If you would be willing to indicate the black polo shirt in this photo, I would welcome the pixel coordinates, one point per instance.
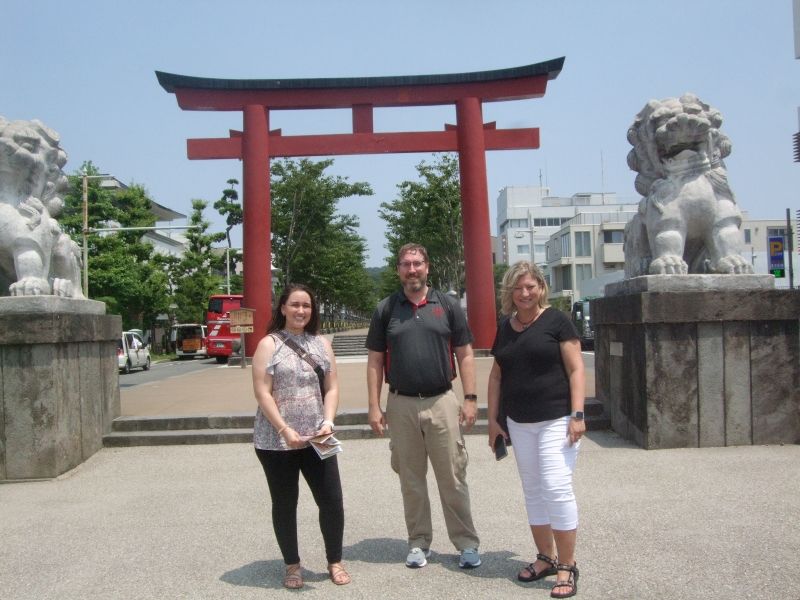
(419, 340)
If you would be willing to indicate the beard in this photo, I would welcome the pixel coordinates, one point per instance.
(413, 284)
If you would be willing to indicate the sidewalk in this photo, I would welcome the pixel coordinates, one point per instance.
(227, 389)
(194, 522)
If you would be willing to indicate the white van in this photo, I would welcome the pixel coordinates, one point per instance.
(189, 340)
(132, 352)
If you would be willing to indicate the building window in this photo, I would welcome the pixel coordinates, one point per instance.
(747, 237)
(523, 249)
(583, 272)
(613, 236)
(565, 249)
(518, 223)
(583, 243)
(776, 231)
(566, 278)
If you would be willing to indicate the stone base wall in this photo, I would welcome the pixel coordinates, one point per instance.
(700, 368)
(59, 389)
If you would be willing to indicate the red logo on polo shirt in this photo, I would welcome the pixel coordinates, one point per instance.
(438, 312)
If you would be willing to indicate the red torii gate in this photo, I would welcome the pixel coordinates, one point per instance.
(470, 137)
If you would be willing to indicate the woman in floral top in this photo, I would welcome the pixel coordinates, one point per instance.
(292, 410)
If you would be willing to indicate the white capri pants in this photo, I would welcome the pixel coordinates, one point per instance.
(546, 461)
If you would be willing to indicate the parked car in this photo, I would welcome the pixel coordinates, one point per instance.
(189, 340)
(132, 352)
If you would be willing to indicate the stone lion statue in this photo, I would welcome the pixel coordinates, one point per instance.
(688, 220)
(36, 257)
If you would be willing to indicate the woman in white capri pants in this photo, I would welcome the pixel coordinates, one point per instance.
(536, 391)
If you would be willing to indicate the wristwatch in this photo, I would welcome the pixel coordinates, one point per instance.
(470, 396)
(577, 415)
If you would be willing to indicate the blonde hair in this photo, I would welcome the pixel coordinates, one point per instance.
(510, 279)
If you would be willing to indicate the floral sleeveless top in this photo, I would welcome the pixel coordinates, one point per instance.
(295, 388)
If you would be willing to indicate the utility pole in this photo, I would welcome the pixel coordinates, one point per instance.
(85, 233)
(790, 244)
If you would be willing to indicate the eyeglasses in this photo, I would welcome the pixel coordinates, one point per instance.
(407, 264)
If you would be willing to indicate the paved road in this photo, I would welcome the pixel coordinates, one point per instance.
(164, 369)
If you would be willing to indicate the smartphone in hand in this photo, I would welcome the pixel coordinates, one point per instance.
(500, 450)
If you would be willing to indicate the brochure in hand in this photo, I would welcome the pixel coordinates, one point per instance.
(326, 445)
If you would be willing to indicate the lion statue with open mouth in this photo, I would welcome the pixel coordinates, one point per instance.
(688, 220)
(36, 257)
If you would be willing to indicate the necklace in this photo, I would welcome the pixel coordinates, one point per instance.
(527, 324)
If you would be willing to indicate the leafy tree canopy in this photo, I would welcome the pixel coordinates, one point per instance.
(311, 242)
(428, 212)
(194, 276)
(121, 271)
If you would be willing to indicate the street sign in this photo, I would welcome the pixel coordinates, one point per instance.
(242, 316)
(241, 328)
(776, 265)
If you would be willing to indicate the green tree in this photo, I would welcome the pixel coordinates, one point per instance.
(229, 207)
(194, 276)
(311, 242)
(428, 211)
(121, 269)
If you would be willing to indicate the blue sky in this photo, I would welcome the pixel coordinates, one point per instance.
(87, 68)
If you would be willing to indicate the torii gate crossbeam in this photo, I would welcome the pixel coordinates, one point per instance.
(470, 137)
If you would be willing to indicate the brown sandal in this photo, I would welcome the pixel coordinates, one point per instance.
(528, 574)
(293, 580)
(571, 583)
(338, 575)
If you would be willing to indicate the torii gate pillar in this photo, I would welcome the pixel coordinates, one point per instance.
(257, 210)
(475, 216)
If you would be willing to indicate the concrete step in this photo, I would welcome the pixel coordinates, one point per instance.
(349, 345)
(238, 427)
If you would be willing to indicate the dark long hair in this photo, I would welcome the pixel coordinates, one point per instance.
(279, 319)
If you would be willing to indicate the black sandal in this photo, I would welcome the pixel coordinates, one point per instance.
(534, 576)
(571, 583)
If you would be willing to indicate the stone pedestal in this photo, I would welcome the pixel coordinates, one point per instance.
(699, 360)
(59, 384)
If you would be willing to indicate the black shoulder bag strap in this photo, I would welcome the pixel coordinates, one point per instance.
(306, 357)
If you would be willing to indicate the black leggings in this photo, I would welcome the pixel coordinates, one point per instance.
(282, 468)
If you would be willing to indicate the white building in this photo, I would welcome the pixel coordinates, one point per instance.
(756, 234)
(170, 242)
(528, 215)
(578, 240)
(586, 253)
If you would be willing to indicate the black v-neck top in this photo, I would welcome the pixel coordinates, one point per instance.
(534, 386)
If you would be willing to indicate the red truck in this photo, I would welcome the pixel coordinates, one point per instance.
(218, 321)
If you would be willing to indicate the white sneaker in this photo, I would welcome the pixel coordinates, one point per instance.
(416, 558)
(469, 558)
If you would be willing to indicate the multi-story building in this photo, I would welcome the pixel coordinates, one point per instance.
(528, 215)
(586, 252)
(578, 240)
(756, 233)
(171, 242)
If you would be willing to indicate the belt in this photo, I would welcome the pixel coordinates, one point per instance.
(427, 394)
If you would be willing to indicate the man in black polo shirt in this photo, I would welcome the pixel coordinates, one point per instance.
(412, 338)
